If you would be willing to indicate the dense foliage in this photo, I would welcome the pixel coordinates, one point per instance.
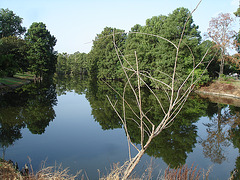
(103, 54)
(41, 55)
(10, 24)
(12, 55)
(155, 56)
(72, 64)
(35, 53)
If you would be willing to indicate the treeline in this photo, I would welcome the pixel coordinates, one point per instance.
(156, 57)
(23, 50)
(72, 64)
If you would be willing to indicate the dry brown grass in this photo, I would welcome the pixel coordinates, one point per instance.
(54, 172)
(117, 173)
(8, 172)
(185, 173)
(179, 173)
(223, 88)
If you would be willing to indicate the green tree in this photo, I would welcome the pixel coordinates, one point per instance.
(236, 57)
(80, 63)
(237, 13)
(41, 55)
(12, 55)
(103, 61)
(238, 42)
(142, 45)
(10, 24)
(72, 64)
(172, 29)
(61, 66)
(157, 56)
(6, 65)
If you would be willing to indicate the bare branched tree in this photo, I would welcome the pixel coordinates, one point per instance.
(176, 99)
(220, 31)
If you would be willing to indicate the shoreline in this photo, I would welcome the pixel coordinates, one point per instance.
(226, 95)
(222, 91)
(210, 92)
(221, 98)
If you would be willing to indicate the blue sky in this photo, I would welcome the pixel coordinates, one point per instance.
(75, 23)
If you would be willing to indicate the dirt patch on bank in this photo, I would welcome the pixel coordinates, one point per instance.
(224, 92)
(224, 88)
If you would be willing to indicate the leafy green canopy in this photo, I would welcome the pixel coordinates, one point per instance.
(237, 13)
(71, 64)
(41, 55)
(156, 57)
(103, 60)
(12, 47)
(10, 24)
(12, 55)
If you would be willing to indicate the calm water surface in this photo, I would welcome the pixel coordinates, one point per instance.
(70, 121)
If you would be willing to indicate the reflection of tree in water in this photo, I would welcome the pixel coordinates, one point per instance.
(218, 134)
(96, 92)
(69, 83)
(172, 144)
(10, 125)
(234, 134)
(102, 110)
(38, 110)
(37, 116)
(31, 106)
(8, 135)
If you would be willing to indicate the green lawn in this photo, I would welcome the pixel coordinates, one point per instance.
(24, 76)
(11, 81)
(17, 80)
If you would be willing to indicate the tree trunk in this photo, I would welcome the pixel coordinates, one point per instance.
(134, 161)
(132, 164)
(222, 64)
(221, 67)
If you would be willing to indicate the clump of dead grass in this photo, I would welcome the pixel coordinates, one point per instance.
(179, 173)
(185, 173)
(7, 171)
(57, 172)
(54, 172)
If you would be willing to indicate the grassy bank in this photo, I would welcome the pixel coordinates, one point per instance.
(8, 83)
